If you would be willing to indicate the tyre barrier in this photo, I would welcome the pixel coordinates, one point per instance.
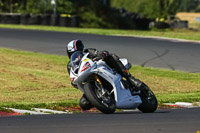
(161, 25)
(178, 24)
(44, 19)
(0, 18)
(34, 20)
(64, 21)
(74, 21)
(5, 18)
(8, 19)
(24, 19)
(54, 20)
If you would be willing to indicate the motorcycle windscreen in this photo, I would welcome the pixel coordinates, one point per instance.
(125, 63)
(76, 59)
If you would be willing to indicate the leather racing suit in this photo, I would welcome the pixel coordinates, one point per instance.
(113, 62)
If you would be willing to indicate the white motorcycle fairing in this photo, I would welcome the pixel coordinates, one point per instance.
(122, 95)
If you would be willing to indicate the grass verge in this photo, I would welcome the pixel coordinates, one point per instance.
(179, 34)
(40, 80)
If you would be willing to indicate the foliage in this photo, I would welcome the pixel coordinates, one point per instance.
(1, 5)
(45, 6)
(65, 7)
(197, 9)
(90, 20)
(150, 9)
(11, 6)
(35, 7)
(156, 8)
(93, 14)
(189, 6)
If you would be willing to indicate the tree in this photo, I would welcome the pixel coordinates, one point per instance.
(189, 6)
(149, 8)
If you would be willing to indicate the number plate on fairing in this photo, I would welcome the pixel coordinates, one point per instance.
(85, 65)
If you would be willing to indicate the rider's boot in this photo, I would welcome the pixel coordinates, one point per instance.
(120, 68)
(133, 82)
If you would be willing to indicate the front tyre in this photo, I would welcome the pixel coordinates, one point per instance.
(105, 103)
(149, 101)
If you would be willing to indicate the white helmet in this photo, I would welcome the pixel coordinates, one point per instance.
(73, 46)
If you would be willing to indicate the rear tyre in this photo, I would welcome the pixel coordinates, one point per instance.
(149, 101)
(104, 103)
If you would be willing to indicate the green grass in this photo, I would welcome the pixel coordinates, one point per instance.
(40, 80)
(34, 79)
(180, 34)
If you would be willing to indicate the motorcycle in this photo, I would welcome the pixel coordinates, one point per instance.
(105, 89)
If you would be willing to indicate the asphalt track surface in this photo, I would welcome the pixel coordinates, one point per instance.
(170, 54)
(145, 52)
(162, 121)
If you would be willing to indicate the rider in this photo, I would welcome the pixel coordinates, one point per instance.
(111, 60)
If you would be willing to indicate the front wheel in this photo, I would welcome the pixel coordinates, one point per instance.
(149, 101)
(103, 102)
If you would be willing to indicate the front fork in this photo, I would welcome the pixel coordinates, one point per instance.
(99, 85)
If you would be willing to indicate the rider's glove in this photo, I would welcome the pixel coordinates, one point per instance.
(105, 54)
(101, 55)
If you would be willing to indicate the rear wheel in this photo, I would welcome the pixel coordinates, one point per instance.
(102, 101)
(149, 101)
